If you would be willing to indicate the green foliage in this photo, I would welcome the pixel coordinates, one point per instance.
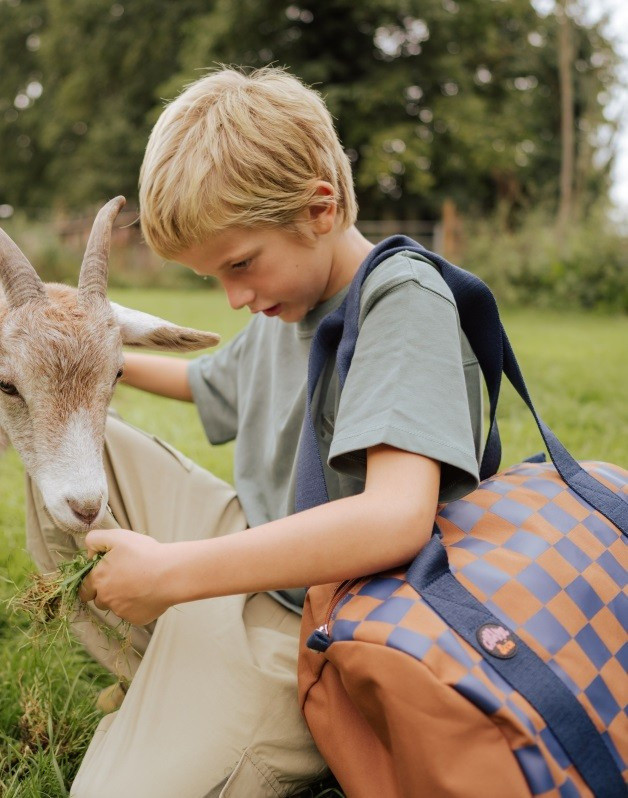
(433, 98)
(528, 266)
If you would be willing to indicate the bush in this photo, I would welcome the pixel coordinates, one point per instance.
(530, 266)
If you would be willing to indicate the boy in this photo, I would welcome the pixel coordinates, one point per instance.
(244, 179)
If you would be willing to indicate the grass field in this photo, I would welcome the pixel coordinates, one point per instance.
(575, 369)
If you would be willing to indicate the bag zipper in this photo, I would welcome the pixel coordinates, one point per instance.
(339, 593)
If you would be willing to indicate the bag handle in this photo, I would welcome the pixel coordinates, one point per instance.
(479, 319)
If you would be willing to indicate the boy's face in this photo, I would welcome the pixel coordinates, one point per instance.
(270, 271)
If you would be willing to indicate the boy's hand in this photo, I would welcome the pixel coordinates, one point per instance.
(131, 579)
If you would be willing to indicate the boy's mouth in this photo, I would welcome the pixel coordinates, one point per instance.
(274, 311)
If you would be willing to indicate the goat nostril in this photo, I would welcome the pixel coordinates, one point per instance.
(84, 513)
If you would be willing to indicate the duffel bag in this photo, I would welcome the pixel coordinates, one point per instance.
(494, 664)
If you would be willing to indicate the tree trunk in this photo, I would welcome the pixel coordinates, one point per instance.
(565, 72)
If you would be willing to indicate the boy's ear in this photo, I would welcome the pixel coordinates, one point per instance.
(142, 329)
(322, 215)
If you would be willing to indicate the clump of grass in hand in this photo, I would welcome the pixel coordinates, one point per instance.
(51, 602)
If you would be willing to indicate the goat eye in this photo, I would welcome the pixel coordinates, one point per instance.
(8, 388)
(119, 374)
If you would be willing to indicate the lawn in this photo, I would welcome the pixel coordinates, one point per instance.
(575, 369)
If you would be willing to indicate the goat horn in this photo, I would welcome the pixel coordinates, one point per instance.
(20, 281)
(93, 276)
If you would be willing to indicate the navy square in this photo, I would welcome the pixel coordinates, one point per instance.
(485, 576)
(512, 511)
(592, 646)
(546, 629)
(558, 518)
(568, 790)
(475, 545)
(544, 486)
(526, 543)
(572, 554)
(534, 769)
(412, 643)
(555, 749)
(343, 630)
(538, 582)
(390, 611)
(496, 486)
(604, 703)
(380, 588)
(473, 689)
(600, 529)
(463, 514)
(613, 569)
(584, 597)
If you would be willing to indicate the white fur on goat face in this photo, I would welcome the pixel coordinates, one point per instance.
(63, 358)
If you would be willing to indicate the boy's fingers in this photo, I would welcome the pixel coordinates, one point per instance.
(98, 540)
(87, 592)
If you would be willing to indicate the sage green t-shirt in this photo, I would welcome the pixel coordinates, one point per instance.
(414, 383)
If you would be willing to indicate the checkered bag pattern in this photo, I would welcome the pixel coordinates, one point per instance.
(552, 570)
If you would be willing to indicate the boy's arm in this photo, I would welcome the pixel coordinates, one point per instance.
(381, 528)
(165, 376)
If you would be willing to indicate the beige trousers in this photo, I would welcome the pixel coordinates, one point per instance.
(212, 705)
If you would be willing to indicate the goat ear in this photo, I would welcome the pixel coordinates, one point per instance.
(142, 329)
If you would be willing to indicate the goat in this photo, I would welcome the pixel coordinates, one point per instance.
(60, 358)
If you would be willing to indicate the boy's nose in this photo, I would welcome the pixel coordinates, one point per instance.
(240, 297)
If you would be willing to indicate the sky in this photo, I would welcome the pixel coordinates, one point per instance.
(617, 108)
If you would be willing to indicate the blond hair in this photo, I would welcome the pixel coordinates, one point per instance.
(238, 150)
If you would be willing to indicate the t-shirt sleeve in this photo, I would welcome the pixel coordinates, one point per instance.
(214, 384)
(406, 388)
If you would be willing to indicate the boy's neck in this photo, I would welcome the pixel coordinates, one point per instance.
(349, 250)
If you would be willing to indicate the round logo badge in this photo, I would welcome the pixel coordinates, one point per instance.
(497, 640)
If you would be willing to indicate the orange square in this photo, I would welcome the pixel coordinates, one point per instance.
(444, 665)
(576, 664)
(615, 679)
(567, 612)
(358, 608)
(587, 541)
(556, 565)
(511, 562)
(493, 529)
(572, 506)
(373, 631)
(609, 630)
(517, 602)
(542, 527)
(459, 557)
(423, 619)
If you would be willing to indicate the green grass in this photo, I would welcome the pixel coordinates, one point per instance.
(575, 370)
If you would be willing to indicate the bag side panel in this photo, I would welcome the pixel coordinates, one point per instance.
(441, 744)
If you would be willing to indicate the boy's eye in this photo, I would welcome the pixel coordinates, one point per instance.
(241, 264)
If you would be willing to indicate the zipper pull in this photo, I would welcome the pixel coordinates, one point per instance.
(319, 640)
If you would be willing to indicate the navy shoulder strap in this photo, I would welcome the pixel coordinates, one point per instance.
(479, 319)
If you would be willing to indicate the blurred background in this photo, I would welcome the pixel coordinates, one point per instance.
(489, 130)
